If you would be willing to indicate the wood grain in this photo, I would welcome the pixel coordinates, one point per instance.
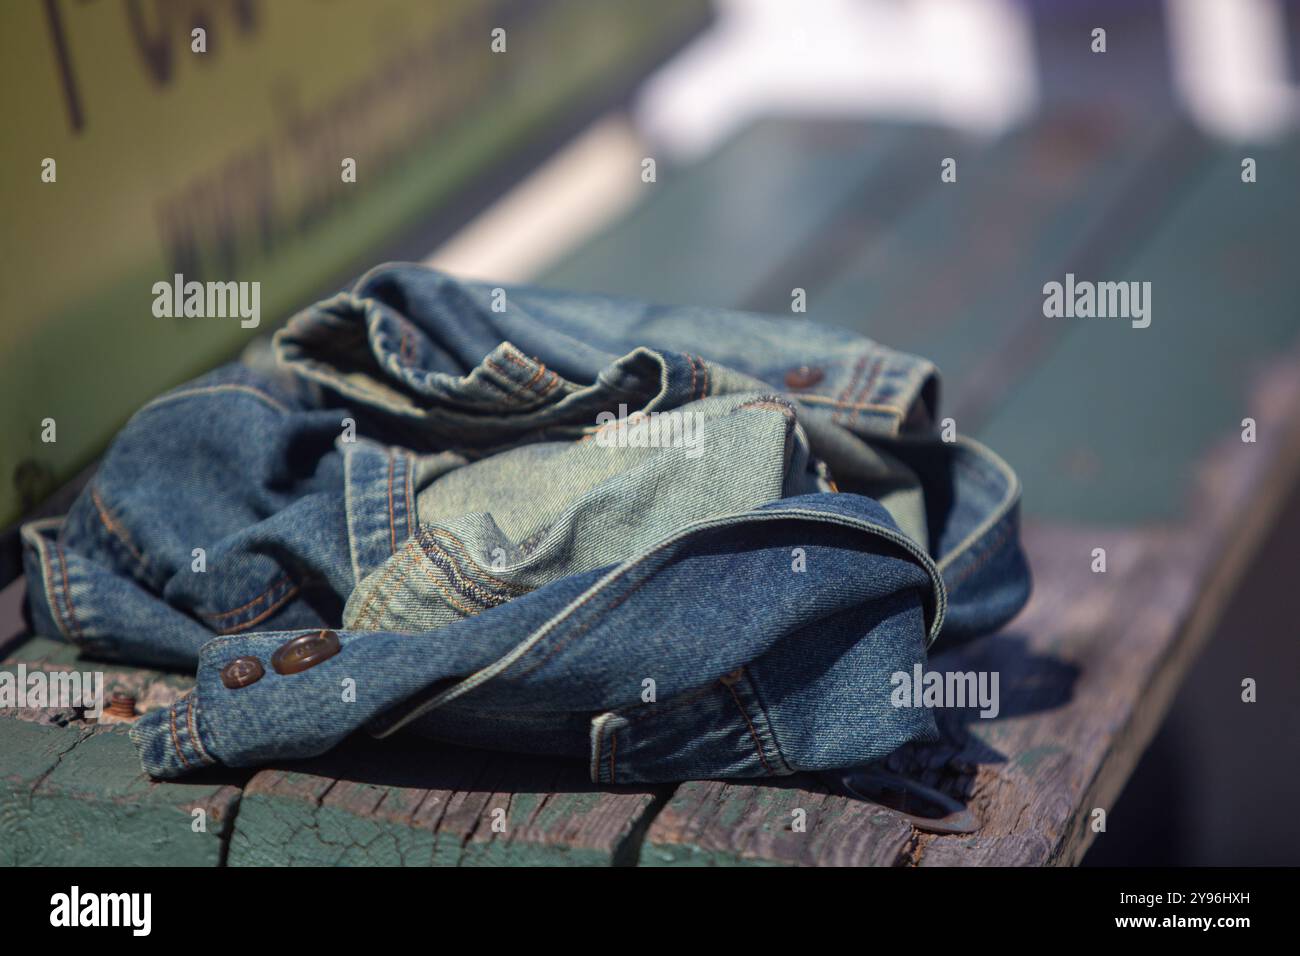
(72, 792)
(412, 803)
(1086, 673)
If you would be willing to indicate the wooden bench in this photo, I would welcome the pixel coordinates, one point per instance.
(1126, 439)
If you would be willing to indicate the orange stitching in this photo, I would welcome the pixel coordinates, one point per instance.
(514, 391)
(866, 387)
(464, 583)
(50, 597)
(758, 745)
(410, 493)
(770, 404)
(392, 521)
(288, 595)
(403, 568)
(848, 389)
(989, 551)
(708, 378)
(692, 361)
(175, 739)
(194, 734)
(113, 527)
(67, 593)
(278, 582)
(509, 586)
(541, 370)
(392, 566)
(867, 407)
(507, 393)
(512, 354)
(552, 385)
(428, 570)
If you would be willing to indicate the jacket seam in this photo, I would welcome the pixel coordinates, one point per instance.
(281, 602)
(277, 583)
(116, 530)
(194, 734)
(51, 595)
(171, 711)
(67, 593)
(758, 744)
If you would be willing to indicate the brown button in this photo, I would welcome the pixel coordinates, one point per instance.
(241, 672)
(304, 652)
(728, 679)
(805, 376)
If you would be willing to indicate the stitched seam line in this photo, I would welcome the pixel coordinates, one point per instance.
(362, 620)
(506, 585)
(113, 528)
(392, 521)
(866, 387)
(408, 468)
(649, 711)
(990, 550)
(464, 584)
(847, 393)
(217, 615)
(541, 370)
(51, 597)
(428, 570)
(67, 593)
(840, 405)
(210, 389)
(552, 385)
(194, 734)
(758, 744)
(757, 692)
(236, 628)
(600, 749)
(586, 626)
(403, 569)
(518, 392)
(176, 742)
(613, 747)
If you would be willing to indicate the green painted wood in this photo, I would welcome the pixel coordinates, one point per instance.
(415, 803)
(714, 232)
(1108, 427)
(960, 279)
(788, 822)
(72, 792)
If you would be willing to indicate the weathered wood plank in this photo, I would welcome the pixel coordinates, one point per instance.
(1086, 673)
(71, 789)
(413, 803)
(711, 823)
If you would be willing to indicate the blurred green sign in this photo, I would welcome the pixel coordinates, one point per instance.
(131, 156)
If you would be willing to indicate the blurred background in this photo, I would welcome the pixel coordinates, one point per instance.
(794, 146)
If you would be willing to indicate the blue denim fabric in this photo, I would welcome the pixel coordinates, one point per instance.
(458, 482)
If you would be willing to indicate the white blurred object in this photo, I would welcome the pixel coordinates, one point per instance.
(586, 185)
(1230, 66)
(962, 63)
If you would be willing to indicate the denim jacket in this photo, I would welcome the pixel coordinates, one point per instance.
(673, 542)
